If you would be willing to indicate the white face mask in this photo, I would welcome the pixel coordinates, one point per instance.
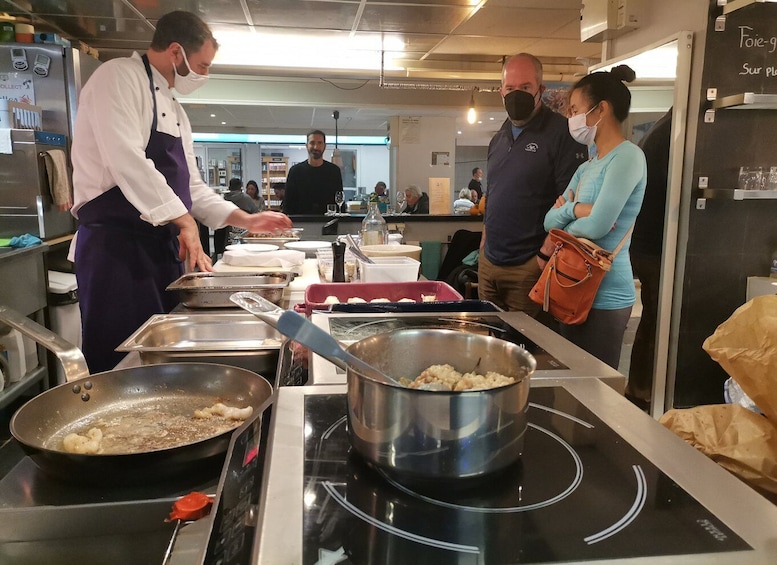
(580, 131)
(191, 82)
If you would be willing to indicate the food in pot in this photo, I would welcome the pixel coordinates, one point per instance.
(451, 379)
(152, 429)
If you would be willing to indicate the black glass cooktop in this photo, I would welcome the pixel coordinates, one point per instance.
(579, 493)
(354, 328)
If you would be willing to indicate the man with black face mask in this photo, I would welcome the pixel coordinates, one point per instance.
(530, 161)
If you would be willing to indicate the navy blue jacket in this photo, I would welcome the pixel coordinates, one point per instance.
(525, 175)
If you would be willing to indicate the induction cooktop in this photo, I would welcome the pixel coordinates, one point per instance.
(579, 493)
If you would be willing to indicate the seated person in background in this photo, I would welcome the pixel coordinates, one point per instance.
(475, 196)
(252, 190)
(231, 234)
(417, 201)
(480, 208)
(463, 203)
(279, 192)
(381, 196)
(240, 198)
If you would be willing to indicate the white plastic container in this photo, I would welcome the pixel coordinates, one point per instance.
(64, 311)
(12, 348)
(390, 269)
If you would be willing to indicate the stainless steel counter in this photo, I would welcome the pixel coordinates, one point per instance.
(579, 363)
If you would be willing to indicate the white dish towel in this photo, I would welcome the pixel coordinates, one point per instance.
(282, 258)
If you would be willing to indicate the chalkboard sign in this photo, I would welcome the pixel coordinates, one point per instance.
(744, 54)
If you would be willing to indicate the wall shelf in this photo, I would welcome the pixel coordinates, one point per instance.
(734, 5)
(747, 101)
(738, 194)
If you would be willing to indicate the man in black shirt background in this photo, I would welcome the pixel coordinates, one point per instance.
(475, 184)
(312, 184)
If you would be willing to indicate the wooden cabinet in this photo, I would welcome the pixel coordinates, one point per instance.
(274, 169)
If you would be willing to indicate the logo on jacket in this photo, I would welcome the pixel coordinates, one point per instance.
(532, 147)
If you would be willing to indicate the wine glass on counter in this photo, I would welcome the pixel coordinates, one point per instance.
(400, 199)
(339, 199)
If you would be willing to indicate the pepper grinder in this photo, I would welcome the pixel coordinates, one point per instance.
(338, 266)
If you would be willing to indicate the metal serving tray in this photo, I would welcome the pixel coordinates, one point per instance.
(212, 290)
(237, 339)
(279, 241)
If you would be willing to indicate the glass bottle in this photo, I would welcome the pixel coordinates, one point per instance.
(374, 229)
(773, 266)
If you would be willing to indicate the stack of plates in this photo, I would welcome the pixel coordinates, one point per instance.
(252, 247)
(309, 247)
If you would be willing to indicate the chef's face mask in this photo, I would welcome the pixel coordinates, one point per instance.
(520, 104)
(186, 84)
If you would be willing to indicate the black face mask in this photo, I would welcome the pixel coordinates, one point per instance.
(519, 104)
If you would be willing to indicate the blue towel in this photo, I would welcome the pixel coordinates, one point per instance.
(26, 240)
(472, 259)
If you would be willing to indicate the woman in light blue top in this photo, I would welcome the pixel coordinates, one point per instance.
(601, 203)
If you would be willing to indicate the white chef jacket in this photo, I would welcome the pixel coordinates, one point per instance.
(112, 129)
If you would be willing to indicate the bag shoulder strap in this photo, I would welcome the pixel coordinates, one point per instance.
(622, 242)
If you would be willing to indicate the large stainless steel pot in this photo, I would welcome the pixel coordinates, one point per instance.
(178, 388)
(420, 434)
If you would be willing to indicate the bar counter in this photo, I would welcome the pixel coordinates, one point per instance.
(414, 227)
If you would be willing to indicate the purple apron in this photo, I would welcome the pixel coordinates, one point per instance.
(124, 264)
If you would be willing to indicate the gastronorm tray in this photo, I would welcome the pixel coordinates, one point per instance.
(231, 338)
(417, 307)
(316, 294)
(212, 290)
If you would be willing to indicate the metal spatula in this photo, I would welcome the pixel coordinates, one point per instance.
(299, 329)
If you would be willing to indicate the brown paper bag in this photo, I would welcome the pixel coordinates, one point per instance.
(741, 441)
(745, 345)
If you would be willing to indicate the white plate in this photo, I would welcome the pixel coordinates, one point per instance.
(252, 247)
(307, 245)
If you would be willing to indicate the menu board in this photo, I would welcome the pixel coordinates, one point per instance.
(744, 49)
(439, 195)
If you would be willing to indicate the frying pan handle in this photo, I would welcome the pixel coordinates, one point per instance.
(69, 355)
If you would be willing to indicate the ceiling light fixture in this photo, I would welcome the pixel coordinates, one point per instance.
(337, 159)
(340, 50)
(471, 113)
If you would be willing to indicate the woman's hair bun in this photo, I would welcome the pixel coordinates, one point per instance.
(623, 73)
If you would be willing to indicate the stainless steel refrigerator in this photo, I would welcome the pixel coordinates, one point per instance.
(56, 74)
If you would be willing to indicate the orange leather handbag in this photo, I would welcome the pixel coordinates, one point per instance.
(571, 278)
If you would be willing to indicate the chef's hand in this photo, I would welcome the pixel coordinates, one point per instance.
(263, 222)
(190, 247)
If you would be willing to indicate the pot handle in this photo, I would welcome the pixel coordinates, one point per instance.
(73, 361)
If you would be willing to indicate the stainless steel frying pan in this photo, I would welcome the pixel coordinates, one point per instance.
(178, 387)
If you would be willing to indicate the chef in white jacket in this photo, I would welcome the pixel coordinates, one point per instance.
(137, 189)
